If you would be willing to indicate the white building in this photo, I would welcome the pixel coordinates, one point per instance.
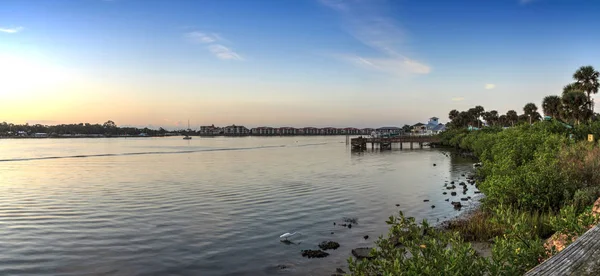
(234, 130)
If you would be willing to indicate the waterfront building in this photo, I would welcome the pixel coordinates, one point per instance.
(234, 130)
(390, 130)
(310, 131)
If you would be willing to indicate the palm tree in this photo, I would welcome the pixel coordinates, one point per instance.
(453, 114)
(479, 112)
(551, 106)
(575, 106)
(530, 109)
(487, 117)
(523, 118)
(503, 120)
(586, 79)
(512, 117)
(490, 117)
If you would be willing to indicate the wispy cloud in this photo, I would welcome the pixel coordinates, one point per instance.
(340, 5)
(223, 52)
(215, 45)
(11, 30)
(490, 86)
(368, 23)
(458, 99)
(199, 37)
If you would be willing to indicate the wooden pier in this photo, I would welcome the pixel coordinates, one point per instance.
(361, 143)
(582, 257)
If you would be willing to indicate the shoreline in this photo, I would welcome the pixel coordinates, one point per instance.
(467, 212)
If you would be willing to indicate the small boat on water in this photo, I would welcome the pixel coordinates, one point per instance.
(187, 137)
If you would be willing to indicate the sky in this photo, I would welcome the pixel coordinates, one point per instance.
(359, 63)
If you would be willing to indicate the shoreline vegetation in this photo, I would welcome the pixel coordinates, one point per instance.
(540, 177)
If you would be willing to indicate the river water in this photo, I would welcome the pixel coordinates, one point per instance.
(206, 206)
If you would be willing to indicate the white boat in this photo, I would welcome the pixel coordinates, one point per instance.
(187, 137)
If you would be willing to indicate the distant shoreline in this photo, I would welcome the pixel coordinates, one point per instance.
(162, 136)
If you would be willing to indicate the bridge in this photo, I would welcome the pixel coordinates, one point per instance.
(361, 143)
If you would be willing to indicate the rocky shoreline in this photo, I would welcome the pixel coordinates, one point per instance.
(468, 211)
(468, 205)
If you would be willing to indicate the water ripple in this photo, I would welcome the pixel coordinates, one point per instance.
(215, 207)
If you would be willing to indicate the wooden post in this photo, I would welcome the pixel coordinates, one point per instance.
(421, 144)
(400, 145)
(411, 145)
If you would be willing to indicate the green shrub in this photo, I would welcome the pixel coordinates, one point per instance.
(573, 224)
(412, 249)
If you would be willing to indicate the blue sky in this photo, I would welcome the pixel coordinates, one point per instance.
(295, 62)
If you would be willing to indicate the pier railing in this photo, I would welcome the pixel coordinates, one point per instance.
(582, 257)
(387, 142)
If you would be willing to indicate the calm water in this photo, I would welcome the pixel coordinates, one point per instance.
(208, 206)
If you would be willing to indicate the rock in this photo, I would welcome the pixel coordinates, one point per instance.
(450, 187)
(463, 175)
(334, 223)
(434, 164)
(285, 266)
(469, 197)
(457, 205)
(432, 206)
(477, 192)
(397, 205)
(453, 194)
(447, 199)
(362, 253)
(339, 272)
(366, 237)
(332, 233)
(314, 253)
(351, 220)
(326, 245)
(462, 183)
(464, 199)
(452, 182)
(558, 241)
(444, 193)
(596, 208)
(425, 200)
(349, 225)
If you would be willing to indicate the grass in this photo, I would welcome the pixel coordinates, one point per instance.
(484, 225)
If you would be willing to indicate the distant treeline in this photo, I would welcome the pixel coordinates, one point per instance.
(109, 128)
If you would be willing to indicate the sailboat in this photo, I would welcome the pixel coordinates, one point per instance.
(187, 137)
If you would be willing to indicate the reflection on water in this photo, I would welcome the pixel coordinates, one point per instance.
(166, 206)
